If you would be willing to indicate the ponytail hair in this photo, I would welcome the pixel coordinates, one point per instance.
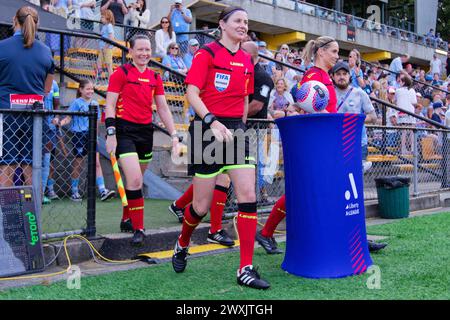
(314, 45)
(83, 84)
(27, 18)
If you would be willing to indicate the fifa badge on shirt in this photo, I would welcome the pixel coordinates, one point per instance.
(221, 81)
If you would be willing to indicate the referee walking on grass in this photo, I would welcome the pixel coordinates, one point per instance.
(131, 92)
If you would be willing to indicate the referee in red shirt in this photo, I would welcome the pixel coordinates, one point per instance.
(132, 89)
(219, 83)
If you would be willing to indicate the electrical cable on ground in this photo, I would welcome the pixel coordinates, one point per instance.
(94, 252)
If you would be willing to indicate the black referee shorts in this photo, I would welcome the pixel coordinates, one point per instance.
(209, 158)
(134, 139)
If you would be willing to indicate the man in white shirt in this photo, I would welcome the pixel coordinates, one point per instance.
(436, 65)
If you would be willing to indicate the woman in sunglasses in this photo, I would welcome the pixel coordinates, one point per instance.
(173, 59)
(163, 37)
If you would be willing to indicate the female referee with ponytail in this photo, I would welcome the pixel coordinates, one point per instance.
(26, 76)
(219, 83)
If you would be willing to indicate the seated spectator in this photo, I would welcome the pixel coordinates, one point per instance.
(139, 15)
(392, 121)
(280, 99)
(163, 37)
(189, 56)
(181, 18)
(436, 80)
(174, 60)
(438, 112)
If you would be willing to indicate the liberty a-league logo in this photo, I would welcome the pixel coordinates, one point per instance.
(221, 81)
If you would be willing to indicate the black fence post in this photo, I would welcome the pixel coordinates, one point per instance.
(91, 229)
(61, 58)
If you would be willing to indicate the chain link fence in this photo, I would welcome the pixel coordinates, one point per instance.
(56, 162)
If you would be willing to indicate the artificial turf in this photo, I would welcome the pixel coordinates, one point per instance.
(415, 265)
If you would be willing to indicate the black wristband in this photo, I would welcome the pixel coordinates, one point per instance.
(110, 122)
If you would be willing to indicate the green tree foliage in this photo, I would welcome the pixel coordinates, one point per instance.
(443, 24)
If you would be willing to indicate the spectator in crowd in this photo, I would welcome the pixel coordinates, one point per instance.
(406, 99)
(392, 136)
(194, 45)
(354, 63)
(262, 49)
(353, 100)
(438, 112)
(436, 65)
(117, 7)
(203, 39)
(447, 113)
(139, 14)
(275, 70)
(396, 67)
(105, 53)
(447, 66)
(87, 12)
(437, 80)
(409, 70)
(284, 49)
(181, 18)
(164, 36)
(174, 60)
(26, 68)
(447, 101)
(49, 139)
(372, 76)
(290, 74)
(280, 99)
(80, 129)
(61, 7)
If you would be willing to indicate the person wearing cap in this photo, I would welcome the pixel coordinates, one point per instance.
(181, 18)
(438, 112)
(262, 49)
(194, 45)
(355, 100)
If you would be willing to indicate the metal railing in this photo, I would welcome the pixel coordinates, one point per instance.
(360, 23)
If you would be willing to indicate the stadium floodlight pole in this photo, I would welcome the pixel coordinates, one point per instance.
(414, 80)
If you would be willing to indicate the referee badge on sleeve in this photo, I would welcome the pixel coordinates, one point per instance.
(221, 81)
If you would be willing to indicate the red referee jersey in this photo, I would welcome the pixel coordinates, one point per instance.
(224, 79)
(136, 91)
(320, 75)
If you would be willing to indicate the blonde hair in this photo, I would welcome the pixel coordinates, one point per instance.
(109, 16)
(383, 91)
(284, 82)
(27, 18)
(358, 56)
(314, 45)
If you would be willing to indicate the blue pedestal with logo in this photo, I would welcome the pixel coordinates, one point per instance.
(325, 215)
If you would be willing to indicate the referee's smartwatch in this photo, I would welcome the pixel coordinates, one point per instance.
(209, 118)
(111, 131)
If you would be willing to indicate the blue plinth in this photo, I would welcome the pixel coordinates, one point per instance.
(325, 215)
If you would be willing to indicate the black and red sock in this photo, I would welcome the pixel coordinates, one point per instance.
(136, 208)
(246, 225)
(190, 221)
(217, 207)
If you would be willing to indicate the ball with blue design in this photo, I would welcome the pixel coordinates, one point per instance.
(311, 96)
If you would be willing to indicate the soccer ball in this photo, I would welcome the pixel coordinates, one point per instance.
(312, 96)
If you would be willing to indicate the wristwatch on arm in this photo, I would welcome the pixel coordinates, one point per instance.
(208, 119)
